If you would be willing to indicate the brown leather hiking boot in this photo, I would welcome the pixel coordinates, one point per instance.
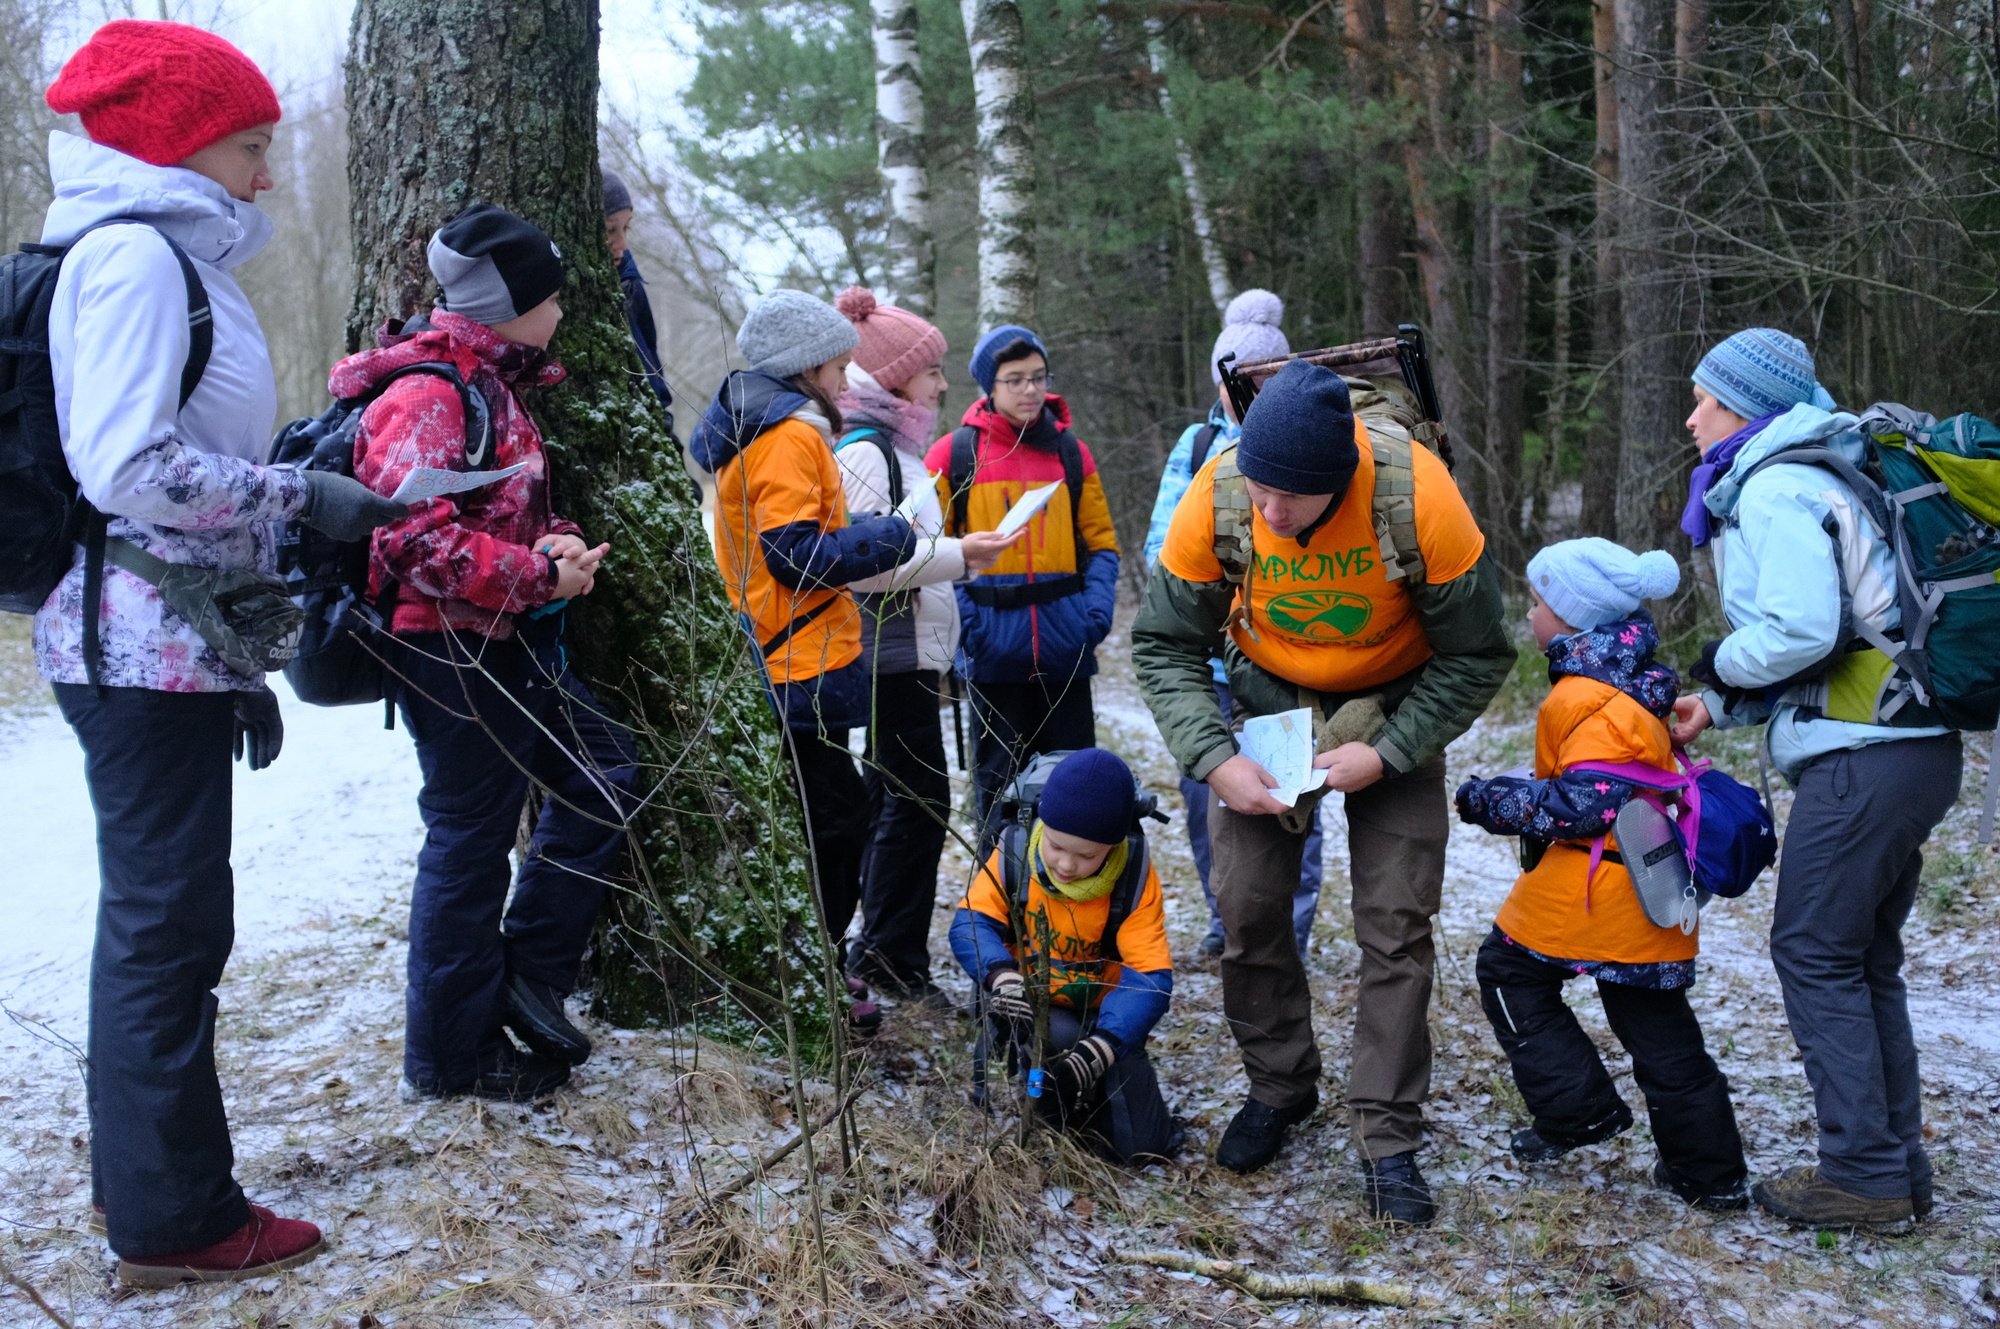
(1801, 1195)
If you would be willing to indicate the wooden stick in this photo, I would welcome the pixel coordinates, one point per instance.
(1275, 1287)
(28, 1290)
(763, 1165)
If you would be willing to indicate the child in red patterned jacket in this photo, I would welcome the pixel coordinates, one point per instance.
(476, 583)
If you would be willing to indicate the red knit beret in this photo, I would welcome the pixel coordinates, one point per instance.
(161, 92)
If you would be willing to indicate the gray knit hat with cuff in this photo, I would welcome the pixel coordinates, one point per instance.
(789, 332)
(493, 266)
(617, 197)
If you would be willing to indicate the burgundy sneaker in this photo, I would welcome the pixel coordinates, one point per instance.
(267, 1244)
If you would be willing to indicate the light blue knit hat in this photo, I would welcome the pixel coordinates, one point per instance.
(1760, 372)
(1590, 582)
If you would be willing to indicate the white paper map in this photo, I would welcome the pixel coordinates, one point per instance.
(1283, 745)
(1026, 507)
(424, 483)
(909, 507)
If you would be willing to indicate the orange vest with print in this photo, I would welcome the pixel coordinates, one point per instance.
(1552, 910)
(786, 475)
(1325, 614)
(1077, 980)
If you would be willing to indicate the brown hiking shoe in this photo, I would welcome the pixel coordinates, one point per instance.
(1801, 1195)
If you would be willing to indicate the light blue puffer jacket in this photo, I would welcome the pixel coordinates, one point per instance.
(1780, 569)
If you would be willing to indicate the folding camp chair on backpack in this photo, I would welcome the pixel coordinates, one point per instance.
(1389, 378)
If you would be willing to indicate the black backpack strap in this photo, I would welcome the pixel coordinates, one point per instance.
(1071, 454)
(1204, 440)
(201, 345)
(1124, 894)
(888, 449)
(958, 476)
(472, 405)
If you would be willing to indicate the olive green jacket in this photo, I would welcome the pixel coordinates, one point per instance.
(1180, 627)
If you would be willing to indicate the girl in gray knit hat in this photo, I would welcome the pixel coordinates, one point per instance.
(787, 552)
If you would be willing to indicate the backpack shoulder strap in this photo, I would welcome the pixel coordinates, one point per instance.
(1125, 895)
(1234, 541)
(964, 457)
(1395, 509)
(1071, 454)
(472, 404)
(888, 450)
(1204, 440)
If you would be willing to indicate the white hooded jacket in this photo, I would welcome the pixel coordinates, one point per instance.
(187, 485)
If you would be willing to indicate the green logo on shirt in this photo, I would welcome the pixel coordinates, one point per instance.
(1320, 615)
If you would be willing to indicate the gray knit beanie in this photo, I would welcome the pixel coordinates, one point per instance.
(789, 332)
(617, 196)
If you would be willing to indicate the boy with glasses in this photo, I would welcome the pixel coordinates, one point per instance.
(1033, 620)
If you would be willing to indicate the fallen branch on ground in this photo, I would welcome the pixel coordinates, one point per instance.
(27, 1289)
(716, 1199)
(1277, 1287)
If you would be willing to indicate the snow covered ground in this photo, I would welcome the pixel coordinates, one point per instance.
(571, 1212)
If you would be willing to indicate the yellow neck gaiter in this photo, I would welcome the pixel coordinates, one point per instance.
(1084, 889)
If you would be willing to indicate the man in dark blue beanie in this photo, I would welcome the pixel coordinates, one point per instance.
(1340, 562)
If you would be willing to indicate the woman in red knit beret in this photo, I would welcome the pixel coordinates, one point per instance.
(155, 210)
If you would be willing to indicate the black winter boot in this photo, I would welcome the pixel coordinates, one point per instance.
(1258, 1129)
(535, 1013)
(1531, 1146)
(1397, 1192)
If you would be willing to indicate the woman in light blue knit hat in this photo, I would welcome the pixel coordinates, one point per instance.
(1797, 563)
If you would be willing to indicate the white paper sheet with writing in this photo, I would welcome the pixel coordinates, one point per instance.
(1283, 745)
(1026, 507)
(910, 506)
(424, 483)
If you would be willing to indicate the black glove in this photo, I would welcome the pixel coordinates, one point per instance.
(1703, 671)
(1011, 1016)
(1078, 1071)
(344, 508)
(260, 730)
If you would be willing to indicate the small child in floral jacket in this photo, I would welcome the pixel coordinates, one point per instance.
(1609, 703)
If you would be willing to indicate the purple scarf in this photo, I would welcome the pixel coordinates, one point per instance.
(1715, 464)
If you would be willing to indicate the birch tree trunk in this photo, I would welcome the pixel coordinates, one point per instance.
(899, 129)
(1005, 106)
(451, 102)
(1654, 455)
(1607, 319)
(1220, 288)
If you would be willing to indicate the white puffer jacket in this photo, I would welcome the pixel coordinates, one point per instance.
(188, 485)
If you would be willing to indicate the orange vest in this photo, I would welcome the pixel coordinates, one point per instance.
(1552, 910)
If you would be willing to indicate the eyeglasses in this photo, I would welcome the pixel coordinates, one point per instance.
(1035, 384)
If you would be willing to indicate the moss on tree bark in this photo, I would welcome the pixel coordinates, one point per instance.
(457, 101)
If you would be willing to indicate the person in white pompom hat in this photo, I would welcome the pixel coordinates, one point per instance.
(1251, 330)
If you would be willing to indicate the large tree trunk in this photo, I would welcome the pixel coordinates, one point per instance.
(1220, 289)
(1507, 299)
(899, 128)
(1607, 319)
(1383, 230)
(450, 104)
(1653, 452)
(1005, 103)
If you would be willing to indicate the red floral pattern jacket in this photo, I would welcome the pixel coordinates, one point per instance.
(465, 561)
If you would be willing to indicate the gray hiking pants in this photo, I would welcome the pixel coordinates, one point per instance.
(1853, 854)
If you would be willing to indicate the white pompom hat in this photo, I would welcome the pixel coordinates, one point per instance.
(1250, 328)
(1590, 582)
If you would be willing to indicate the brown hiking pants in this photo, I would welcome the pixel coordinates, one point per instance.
(1396, 833)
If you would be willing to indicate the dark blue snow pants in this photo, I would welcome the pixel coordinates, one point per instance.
(157, 764)
(489, 718)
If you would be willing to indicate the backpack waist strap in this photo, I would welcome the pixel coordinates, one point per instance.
(1022, 594)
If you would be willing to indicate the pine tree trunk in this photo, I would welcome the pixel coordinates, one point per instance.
(1607, 319)
(1654, 455)
(1004, 101)
(1382, 226)
(899, 128)
(452, 102)
(1213, 264)
(1507, 299)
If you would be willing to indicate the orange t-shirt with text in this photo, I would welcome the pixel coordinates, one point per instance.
(1325, 614)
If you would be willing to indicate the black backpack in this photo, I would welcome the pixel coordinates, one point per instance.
(1204, 443)
(340, 659)
(964, 459)
(1019, 805)
(42, 516)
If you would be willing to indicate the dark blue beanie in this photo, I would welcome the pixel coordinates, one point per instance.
(1298, 436)
(1090, 794)
(982, 366)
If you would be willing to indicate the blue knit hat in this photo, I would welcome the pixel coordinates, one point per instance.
(1590, 582)
(1760, 372)
(1298, 436)
(1090, 795)
(982, 367)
